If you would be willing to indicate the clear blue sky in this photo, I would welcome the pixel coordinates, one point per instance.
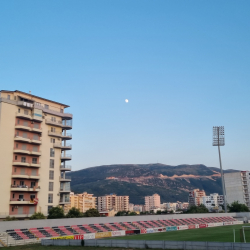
(183, 65)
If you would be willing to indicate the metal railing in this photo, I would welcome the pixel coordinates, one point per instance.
(65, 178)
(66, 156)
(66, 166)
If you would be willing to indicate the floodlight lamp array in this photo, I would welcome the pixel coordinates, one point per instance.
(218, 136)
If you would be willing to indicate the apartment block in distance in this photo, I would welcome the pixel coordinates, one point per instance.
(82, 201)
(112, 201)
(33, 146)
(152, 202)
(195, 197)
(238, 187)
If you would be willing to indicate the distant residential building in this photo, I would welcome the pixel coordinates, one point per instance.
(174, 206)
(108, 213)
(82, 201)
(152, 202)
(238, 187)
(112, 201)
(195, 197)
(138, 208)
(213, 201)
(131, 207)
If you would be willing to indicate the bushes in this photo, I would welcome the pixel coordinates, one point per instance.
(74, 213)
(56, 213)
(37, 216)
(8, 218)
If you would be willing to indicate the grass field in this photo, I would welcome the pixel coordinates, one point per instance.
(219, 234)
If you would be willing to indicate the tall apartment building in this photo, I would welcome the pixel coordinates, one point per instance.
(195, 197)
(82, 201)
(237, 187)
(152, 202)
(213, 201)
(112, 201)
(33, 154)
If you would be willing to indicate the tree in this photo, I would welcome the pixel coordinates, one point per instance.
(74, 213)
(37, 216)
(158, 212)
(56, 213)
(237, 207)
(197, 209)
(92, 212)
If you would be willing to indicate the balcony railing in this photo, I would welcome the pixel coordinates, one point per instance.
(28, 139)
(65, 178)
(65, 167)
(53, 112)
(64, 123)
(58, 134)
(66, 157)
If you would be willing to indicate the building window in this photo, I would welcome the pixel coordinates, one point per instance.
(61, 110)
(36, 137)
(15, 157)
(32, 184)
(35, 149)
(34, 160)
(16, 145)
(38, 104)
(25, 135)
(49, 207)
(36, 125)
(51, 163)
(51, 175)
(52, 140)
(24, 147)
(8, 97)
(25, 123)
(46, 106)
(26, 112)
(53, 119)
(18, 121)
(23, 159)
(52, 152)
(32, 197)
(13, 196)
(12, 209)
(50, 198)
(53, 129)
(15, 170)
(14, 183)
(21, 183)
(19, 110)
(51, 185)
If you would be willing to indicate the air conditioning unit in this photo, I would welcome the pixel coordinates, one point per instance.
(16, 207)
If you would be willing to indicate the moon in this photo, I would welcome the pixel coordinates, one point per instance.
(126, 100)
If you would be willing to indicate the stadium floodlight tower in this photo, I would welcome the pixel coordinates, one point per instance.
(219, 140)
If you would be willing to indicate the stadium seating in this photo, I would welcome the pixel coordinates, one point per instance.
(48, 232)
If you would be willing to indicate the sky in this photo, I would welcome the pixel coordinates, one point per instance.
(183, 66)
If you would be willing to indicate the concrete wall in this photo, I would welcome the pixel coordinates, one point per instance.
(4, 225)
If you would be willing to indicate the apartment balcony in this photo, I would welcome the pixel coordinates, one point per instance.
(64, 190)
(36, 153)
(23, 114)
(38, 130)
(65, 178)
(26, 164)
(65, 168)
(25, 176)
(25, 104)
(64, 201)
(27, 139)
(21, 202)
(65, 124)
(22, 127)
(60, 135)
(24, 188)
(22, 139)
(63, 147)
(66, 157)
(66, 116)
(21, 151)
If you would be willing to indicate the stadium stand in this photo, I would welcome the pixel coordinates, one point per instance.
(48, 232)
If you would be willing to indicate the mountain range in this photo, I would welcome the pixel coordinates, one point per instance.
(172, 183)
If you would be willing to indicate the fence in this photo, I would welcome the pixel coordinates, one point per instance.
(185, 245)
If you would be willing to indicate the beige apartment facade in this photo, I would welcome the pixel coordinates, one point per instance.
(152, 202)
(112, 201)
(33, 154)
(82, 201)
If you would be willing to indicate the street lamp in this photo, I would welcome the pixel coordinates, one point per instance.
(219, 140)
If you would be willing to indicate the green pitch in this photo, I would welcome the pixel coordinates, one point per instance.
(219, 234)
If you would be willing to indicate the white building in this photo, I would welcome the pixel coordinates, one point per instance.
(213, 201)
(238, 187)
